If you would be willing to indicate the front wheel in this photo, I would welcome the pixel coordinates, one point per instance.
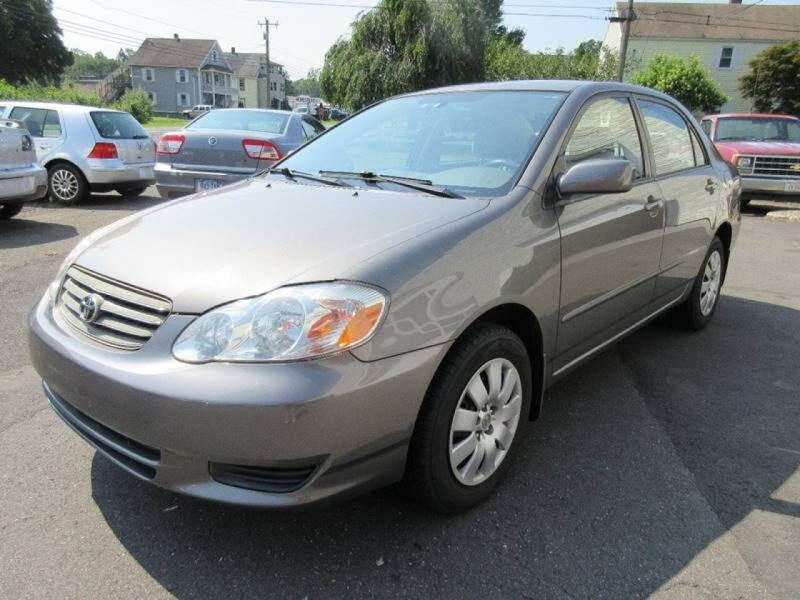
(697, 310)
(475, 409)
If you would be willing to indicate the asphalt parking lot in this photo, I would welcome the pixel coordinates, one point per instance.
(668, 466)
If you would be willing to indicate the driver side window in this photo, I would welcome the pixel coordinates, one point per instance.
(607, 129)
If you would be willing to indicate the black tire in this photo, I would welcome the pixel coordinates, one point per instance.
(743, 203)
(10, 210)
(691, 313)
(66, 184)
(428, 471)
(132, 191)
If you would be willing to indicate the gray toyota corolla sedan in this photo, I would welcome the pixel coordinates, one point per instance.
(391, 300)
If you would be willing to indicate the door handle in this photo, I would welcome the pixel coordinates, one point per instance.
(652, 205)
(711, 186)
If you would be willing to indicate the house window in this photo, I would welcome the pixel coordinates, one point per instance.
(183, 99)
(241, 83)
(726, 57)
(181, 76)
(228, 80)
(273, 86)
(214, 56)
(151, 95)
(148, 74)
(207, 77)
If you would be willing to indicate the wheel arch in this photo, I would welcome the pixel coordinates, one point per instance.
(725, 233)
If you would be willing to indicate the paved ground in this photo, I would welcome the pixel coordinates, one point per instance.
(667, 466)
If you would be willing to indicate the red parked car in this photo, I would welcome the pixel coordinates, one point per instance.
(765, 149)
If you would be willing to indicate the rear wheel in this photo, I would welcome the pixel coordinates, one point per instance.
(475, 409)
(10, 210)
(66, 184)
(697, 310)
(132, 191)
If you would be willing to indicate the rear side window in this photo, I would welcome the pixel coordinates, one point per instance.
(242, 120)
(606, 130)
(311, 127)
(41, 122)
(669, 136)
(117, 125)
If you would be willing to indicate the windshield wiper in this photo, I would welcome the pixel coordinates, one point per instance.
(422, 185)
(292, 174)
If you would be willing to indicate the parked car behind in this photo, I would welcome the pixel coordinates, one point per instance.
(765, 149)
(393, 299)
(337, 114)
(196, 111)
(87, 149)
(228, 145)
(21, 177)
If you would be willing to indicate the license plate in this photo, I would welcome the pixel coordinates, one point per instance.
(145, 173)
(18, 186)
(792, 186)
(203, 185)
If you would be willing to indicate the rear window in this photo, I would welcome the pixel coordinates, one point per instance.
(242, 120)
(117, 125)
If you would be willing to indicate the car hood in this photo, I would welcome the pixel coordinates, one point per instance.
(256, 235)
(728, 149)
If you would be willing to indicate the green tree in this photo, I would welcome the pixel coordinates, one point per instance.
(406, 45)
(773, 82)
(683, 79)
(590, 60)
(136, 102)
(308, 86)
(31, 42)
(93, 65)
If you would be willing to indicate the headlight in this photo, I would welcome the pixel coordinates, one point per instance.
(744, 161)
(290, 323)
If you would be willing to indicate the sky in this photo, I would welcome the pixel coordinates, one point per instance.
(305, 28)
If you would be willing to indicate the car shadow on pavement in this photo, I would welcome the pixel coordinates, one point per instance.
(642, 459)
(118, 202)
(20, 232)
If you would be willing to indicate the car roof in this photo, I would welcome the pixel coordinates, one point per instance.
(544, 85)
(71, 108)
(751, 116)
(259, 110)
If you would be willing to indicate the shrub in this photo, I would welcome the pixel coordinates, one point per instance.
(137, 103)
(68, 94)
(683, 79)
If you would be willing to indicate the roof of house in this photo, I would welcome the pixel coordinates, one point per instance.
(171, 52)
(247, 64)
(692, 20)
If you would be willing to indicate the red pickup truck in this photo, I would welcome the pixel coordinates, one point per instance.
(765, 149)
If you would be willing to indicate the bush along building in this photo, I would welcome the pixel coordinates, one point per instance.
(177, 74)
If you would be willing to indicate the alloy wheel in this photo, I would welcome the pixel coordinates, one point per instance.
(64, 185)
(709, 288)
(485, 421)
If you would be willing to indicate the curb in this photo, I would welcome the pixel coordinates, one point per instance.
(791, 216)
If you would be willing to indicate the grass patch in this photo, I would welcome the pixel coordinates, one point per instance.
(160, 122)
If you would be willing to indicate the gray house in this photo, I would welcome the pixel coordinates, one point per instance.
(178, 73)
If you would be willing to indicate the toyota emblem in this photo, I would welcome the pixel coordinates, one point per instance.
(212, 141)
(90, 307)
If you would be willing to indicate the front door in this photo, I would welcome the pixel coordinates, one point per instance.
(610, 243)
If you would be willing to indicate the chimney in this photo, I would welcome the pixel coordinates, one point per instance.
(175, 37)
(233, 49)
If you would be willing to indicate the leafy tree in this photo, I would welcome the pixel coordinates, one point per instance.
(683, 79)
(31, 39)
(308, 86)
(773, 82)
(505, 60)
(93, 65)
(406, 45)
(136, 102)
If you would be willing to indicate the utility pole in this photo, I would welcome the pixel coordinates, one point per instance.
(266, 25)
(626, 32)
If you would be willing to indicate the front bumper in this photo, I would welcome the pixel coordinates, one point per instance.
(769, 186)
(39, 175)
(172, 182)
(347, 422)
(106, 175)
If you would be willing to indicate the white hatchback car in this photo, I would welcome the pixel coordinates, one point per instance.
(21, 177)
(86, 149)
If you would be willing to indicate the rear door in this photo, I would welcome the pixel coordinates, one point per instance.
(45, 127)
(610, 243)
(134, 145)
(690, 187)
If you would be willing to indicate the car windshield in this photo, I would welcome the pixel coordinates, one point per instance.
(117, 125)
(473, 143)
(760, 129)
(242, 120)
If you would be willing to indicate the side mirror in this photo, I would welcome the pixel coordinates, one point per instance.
(597, 176)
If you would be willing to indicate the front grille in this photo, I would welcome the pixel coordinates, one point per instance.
(138, 458)
(777, 166)
(261, 479)
(125, 317)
